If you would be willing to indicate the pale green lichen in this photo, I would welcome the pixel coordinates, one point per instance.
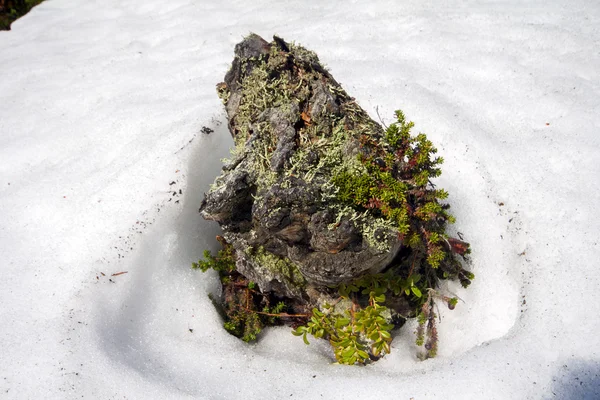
(223, 93)
(375, 231)
(303, 54)
(281, 267)
(334, 153)
(261, 164)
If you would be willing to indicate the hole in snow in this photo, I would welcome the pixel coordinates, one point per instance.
(164, 321)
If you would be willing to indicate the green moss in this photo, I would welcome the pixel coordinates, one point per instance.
(394, 184)
(435, 256)
(244, 324)
(239, 302)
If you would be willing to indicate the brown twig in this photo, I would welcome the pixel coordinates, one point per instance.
(412, 267)
(118, 273)
(284, 315)
(336, 301)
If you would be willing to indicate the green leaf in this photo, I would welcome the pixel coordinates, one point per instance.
(343, 291)
(348, 352)
(299, 331)
(386, 347)
(376, 350)
(305, 339)
(416, 291)
(380, 298)
(341, 322)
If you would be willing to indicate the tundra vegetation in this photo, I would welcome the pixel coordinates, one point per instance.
(331, 222)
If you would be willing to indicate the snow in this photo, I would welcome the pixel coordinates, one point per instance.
(102, 107)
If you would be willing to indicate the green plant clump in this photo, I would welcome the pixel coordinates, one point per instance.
(245, 309)
(361, 332)
(357, 334)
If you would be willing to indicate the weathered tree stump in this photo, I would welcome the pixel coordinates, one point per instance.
(316, 194)
(275, 196)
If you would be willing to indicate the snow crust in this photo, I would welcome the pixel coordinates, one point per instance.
(103, 165)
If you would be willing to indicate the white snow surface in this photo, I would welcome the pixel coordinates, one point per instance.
(102, 105)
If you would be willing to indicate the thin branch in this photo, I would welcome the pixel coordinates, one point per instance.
(380, 119)
(280, 315)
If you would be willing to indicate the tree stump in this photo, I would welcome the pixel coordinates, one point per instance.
(317, 194)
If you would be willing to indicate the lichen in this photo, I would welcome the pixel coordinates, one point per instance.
(281, 267)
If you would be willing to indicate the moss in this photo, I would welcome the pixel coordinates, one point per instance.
(239, 302)
(353, 189)
(394, 184)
